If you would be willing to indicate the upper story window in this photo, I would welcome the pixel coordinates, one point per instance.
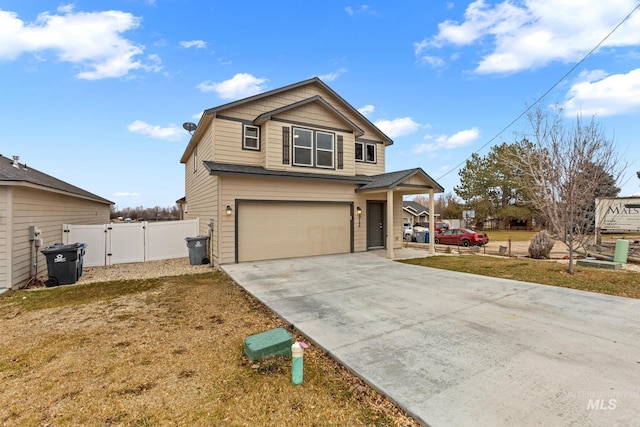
(251, 137)
(366, 152)
(313, 148)
(195, 158)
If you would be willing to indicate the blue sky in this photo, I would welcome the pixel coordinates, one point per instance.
(96, 95)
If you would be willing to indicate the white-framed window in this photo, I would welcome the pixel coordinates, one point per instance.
(365, 152)
(370, 153)
(325, 147)
(195, 158)
(302, 147)
(250, 137)
(313, 148)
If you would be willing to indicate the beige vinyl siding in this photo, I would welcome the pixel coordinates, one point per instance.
(47, 211)
(228, 143)
(364, 168)
(5, 237)
(273, 131)
(201, 188)
(286, 190)
(311, 113)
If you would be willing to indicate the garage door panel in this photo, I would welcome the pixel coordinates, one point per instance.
(286, 230)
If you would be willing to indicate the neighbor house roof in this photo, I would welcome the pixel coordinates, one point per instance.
(15, 173)
(417, 208)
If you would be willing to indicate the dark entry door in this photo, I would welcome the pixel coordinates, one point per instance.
(375, 225)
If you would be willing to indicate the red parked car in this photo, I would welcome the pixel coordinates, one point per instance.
(462, 237)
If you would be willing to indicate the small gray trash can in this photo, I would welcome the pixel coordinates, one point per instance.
(421, 236)
(197, 250)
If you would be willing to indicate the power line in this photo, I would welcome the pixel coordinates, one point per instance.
(537, 101)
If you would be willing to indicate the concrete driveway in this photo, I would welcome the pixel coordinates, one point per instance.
(455, 349)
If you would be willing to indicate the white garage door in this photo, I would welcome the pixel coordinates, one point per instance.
(287, 230)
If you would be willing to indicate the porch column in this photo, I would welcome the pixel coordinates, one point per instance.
(432, 222)
(390, 224)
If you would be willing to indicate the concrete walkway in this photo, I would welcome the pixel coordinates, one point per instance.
(454, 349)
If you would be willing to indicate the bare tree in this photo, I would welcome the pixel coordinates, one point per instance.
(562, 170)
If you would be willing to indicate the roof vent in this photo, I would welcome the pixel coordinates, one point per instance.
(15, 162)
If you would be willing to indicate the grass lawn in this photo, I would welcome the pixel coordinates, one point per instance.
(613, 282)
(164, 352)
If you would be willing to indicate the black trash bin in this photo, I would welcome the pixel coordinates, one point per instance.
(63, 263)
(197, 250)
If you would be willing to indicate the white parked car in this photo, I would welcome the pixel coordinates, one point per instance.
(408, 231)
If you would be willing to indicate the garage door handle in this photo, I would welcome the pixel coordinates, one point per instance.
(380, 225)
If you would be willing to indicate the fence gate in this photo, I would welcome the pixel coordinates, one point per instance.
(109, 244)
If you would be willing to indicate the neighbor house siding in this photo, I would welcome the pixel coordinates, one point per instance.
(5, 237)
(47, 211)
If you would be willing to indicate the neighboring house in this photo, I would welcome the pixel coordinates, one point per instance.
(295, 171)
(414, 212)
(29, 198)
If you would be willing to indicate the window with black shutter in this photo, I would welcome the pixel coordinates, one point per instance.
(285, 145)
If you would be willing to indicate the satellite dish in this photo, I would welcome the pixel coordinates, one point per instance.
(189, 127)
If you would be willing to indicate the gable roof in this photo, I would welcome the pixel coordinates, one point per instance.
(414, 206)
(393, 180)
(209, 114)
(22, 175)
(314, 99)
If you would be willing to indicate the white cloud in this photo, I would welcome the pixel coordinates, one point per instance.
(597, 93)
(198, 44)
(364, 8)
(532, 34)
(332, 76)
(239, 86)
(126, 194)
(459, 139)
(169, 133)
(367, 109)
(398, 127)
(91, 40)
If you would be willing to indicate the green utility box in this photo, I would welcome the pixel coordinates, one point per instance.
(274, 342)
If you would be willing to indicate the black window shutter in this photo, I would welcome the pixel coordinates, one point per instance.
(285, 145)
(340, 153)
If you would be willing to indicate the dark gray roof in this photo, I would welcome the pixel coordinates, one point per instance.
(392, 180)
(216, 168)
(313, 80)
(389, 180)
(417, 207)
(11, 175)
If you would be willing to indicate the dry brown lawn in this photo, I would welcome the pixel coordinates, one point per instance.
(163, 351)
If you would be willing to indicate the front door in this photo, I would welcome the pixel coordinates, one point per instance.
(375, 225)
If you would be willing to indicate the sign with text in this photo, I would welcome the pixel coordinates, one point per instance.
(620, 214)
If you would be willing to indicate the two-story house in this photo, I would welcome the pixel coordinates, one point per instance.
(295, 171)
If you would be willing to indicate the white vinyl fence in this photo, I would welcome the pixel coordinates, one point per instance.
(109, 244)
